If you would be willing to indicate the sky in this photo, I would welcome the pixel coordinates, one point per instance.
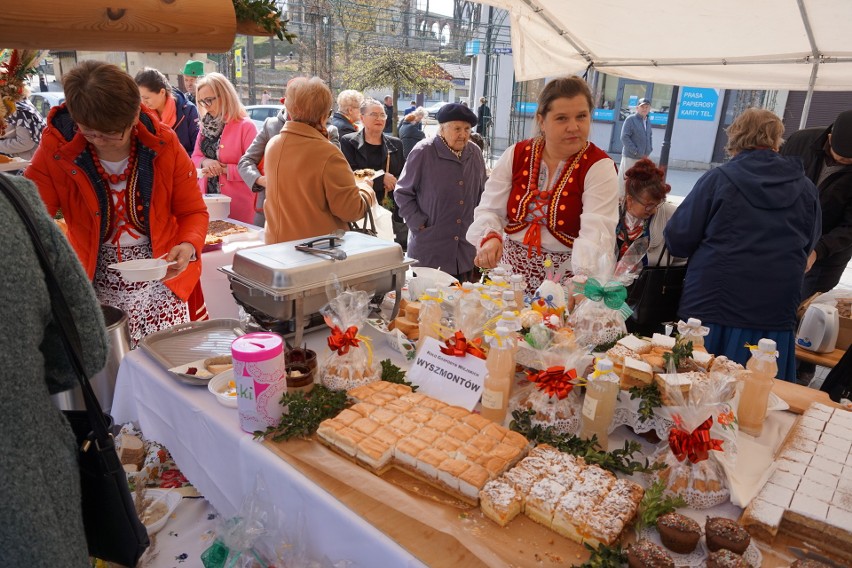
(437, 6)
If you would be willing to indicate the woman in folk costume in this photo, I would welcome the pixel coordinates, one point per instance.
(20, 122)
(127, 190)
(554, 196)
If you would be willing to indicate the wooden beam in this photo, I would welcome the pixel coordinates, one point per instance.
(120, 25)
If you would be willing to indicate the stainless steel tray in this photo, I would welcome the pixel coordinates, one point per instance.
(188, 342)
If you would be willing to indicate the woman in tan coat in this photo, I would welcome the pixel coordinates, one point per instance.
(310, 190)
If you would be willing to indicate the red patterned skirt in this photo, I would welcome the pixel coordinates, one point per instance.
(150, 306)
(532, 267)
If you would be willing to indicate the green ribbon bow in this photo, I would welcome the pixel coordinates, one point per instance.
(613, 294)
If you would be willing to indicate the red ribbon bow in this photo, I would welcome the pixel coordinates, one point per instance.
(695, 446)
(459, 346)
(555, 381)
(340, 341)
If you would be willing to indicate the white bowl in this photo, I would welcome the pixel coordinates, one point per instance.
(170, 499)
(218, 206)
(218, 386)
(143, 269)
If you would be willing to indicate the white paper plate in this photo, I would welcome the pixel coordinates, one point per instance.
(171, 499)
(143, 269)
(395, 338)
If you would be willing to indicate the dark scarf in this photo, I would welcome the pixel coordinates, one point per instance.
(211, 133)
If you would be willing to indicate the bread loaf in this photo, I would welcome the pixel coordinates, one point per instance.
(412, 311)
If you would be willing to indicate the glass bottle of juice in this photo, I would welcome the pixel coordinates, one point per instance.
(518, 288)
(463, 299)
(762, 368)
(599, 403)
(430, 316)
(473, 315)
(500, 366)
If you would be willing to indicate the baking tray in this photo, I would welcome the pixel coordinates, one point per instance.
(188, 342)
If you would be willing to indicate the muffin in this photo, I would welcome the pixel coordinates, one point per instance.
(726, 559)
(725, 533)
(646, 554)
(809, 563)
(678, 532)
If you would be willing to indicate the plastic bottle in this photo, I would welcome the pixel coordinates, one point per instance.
(430, 316)
(762, 367)
(518, 288)
(599, 404)
(693, 331)
(500, 365)
(509, 301)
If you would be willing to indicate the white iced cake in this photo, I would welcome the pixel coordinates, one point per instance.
(809, 494)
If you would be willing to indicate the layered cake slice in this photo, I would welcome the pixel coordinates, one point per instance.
(500, 501)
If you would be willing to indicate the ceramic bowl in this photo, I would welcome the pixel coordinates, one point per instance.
(219, 387)
(170, 499)
(142, 269)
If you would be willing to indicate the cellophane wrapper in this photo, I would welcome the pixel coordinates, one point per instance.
(702, 484)
(544, 348)
(354, 365)
(594, 322)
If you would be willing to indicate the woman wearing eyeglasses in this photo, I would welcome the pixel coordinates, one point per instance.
(225, 135)
(371, 148)
(644, 211)
(127, 190)
(171, 106)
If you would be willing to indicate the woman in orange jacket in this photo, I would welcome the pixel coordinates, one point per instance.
(127, 190)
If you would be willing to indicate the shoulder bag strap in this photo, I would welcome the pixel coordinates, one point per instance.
(61, 313)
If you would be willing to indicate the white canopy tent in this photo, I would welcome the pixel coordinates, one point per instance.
(741, 44)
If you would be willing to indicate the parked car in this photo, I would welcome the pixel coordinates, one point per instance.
(433, 109)
(259, 113)
(47, 100)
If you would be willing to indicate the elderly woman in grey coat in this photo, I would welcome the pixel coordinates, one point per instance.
(42, 523)
(437, 192)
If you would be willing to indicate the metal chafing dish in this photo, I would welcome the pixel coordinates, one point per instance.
(287, 281)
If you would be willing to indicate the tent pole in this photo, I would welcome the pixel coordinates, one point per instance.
(807, 106)
(667, 137)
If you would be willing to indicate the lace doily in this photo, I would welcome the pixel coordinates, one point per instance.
(561, 415)
(702, 485)
(627, 414)
(333, 381)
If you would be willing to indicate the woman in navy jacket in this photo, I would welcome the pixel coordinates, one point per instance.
(172, 107)
(748, 228)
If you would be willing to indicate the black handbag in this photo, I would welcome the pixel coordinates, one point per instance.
(655, 296)
(113, 529)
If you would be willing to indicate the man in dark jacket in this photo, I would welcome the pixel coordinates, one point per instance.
(389, 111)
(827, 157)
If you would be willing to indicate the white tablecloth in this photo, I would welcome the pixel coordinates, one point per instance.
(222, 461)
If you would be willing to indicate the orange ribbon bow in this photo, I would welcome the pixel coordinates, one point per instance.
(341, 341)
(459, 346)
(695, 446)
(555, 381)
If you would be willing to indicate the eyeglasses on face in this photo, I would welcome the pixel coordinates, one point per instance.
(648, 206)
(95, 135)
(377, 115)
(207, 102)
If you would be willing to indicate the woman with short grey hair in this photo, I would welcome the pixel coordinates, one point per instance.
(348, 111)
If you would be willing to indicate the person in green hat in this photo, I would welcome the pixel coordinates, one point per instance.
(192, 71)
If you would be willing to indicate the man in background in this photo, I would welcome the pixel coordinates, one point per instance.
(636, 139)
(483, 117)
(192, 71)
(410, 108)
(389, 111)
(826, 154)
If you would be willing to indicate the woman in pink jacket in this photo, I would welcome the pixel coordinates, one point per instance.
(226, 133)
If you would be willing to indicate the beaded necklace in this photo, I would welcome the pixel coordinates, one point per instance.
(120, 207)
(458, 153)
(539, 199)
